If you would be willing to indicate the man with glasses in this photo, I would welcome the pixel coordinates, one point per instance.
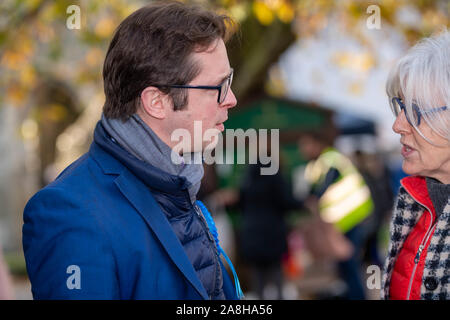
(123, 222)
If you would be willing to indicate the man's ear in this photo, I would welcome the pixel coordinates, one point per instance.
(154, 103)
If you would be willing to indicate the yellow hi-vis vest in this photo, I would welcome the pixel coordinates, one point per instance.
(347, 201)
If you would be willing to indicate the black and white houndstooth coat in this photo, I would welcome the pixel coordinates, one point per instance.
(407, 212)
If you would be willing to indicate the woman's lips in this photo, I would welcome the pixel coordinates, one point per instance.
(407, 151)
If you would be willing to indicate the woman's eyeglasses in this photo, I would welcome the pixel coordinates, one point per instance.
(415, 117)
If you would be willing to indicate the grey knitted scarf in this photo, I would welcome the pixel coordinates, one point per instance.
(135, 136)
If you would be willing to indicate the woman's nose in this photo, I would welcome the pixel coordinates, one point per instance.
(401, 124)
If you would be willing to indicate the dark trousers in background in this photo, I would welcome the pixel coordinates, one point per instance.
(350, 270)
(265, 274)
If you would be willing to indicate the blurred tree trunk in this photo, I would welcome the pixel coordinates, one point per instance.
(253, 51)
(55, 107)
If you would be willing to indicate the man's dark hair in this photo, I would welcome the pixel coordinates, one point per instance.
(153, 46)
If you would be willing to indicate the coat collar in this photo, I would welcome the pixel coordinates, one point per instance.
(411, 199)
(416, 186)
(139, 195)
(151, 175)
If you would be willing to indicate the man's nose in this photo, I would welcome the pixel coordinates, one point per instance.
(230, 100)
(401, 124)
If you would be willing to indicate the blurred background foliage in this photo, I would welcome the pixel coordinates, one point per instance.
(51, 71)
(35, 43)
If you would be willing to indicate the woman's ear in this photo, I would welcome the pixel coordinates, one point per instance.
(154, 103)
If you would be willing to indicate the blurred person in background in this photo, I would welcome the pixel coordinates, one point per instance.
(264, 201)
(340, 197)
(123, 221)
(418, 87)
(377, 176)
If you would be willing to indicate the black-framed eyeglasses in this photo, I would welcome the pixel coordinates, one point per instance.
(223, 88)
(414, 119)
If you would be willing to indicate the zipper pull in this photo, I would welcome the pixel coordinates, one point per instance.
(197, 209)
(419, 252)
(204, 222)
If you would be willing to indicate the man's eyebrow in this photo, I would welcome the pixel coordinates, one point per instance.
(226, 77)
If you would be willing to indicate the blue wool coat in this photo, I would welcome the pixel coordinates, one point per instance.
(97, 232)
